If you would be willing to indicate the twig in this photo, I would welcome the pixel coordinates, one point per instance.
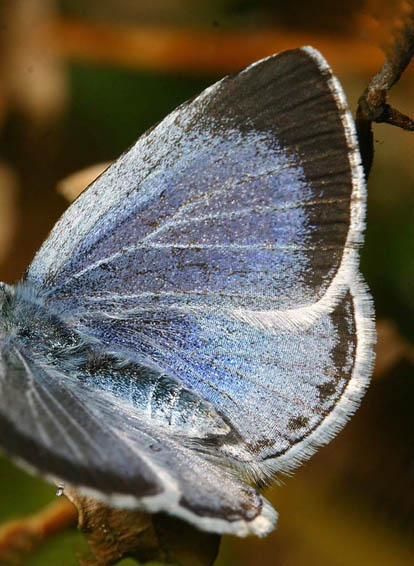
(198, 50)
(22, 536)
(373, 106)
(111, 534)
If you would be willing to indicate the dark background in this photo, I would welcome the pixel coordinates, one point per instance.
(79, 81)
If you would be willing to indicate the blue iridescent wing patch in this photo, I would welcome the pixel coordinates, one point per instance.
(196, 321)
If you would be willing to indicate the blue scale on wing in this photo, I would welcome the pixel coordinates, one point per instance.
(211, 277)
(263, 251)
(210, 244)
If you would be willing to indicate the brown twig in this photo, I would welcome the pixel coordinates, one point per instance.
(22, 536)
(372, 105)
(198, 50)
(111, 533)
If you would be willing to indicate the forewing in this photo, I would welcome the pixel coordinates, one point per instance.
(240, 198)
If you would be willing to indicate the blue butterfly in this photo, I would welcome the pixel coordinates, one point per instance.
(196, 322)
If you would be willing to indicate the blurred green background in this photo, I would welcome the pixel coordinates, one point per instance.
(65, 104)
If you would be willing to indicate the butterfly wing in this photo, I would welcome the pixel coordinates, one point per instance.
(65, 429)
(277, 384)
(221, 252)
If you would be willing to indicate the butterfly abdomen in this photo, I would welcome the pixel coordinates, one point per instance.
(43, 337)
(159, 398)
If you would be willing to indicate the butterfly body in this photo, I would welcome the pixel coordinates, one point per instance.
(48, 341)
(196, 320)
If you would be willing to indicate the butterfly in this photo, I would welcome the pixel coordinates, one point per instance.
(196, 322)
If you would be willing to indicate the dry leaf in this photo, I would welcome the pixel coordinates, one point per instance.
(71, 187)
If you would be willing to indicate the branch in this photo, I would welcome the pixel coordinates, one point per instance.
(373, 106)
(197, 50)
(112, 534)
(22, 536)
